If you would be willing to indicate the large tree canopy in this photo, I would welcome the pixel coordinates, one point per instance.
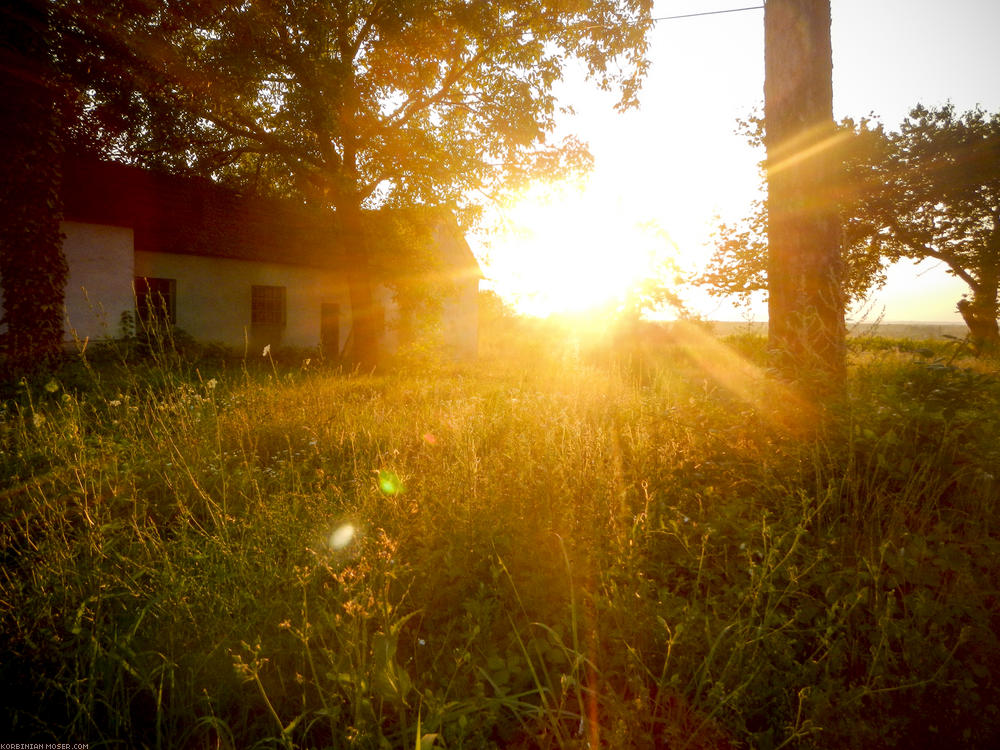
(931, 189)
(936, 194)
(399, 100)
(347, 103)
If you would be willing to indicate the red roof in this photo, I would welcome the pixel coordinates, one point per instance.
(194, 216)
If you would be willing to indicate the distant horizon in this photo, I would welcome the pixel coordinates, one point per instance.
(850, 323)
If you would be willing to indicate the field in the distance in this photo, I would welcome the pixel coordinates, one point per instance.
(545, 549)
(910, 330)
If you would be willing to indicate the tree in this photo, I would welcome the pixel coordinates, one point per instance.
(931, 189)
(352, 104)
(32, 267)
(804, 268)
(738, 266)
(936, 194)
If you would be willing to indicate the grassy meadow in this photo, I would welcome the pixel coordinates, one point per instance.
(549, 548)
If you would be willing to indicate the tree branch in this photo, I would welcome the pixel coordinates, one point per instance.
(923, 249)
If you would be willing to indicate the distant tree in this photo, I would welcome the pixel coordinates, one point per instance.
(349, 104)
(929, 190)
(936, 194)
(32, 266)
(805, 300)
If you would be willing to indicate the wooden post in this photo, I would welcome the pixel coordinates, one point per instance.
(805, 263)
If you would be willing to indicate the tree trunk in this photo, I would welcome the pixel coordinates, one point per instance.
(365, 320)
(982, 323)
(805, 263)
(32, 265)
(981, 314)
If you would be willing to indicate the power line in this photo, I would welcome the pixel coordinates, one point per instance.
(708, 13)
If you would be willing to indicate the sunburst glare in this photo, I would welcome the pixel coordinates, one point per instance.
(573, 249)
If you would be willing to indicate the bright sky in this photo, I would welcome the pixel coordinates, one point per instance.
(675, 164)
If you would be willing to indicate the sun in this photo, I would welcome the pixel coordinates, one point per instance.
(571, 249)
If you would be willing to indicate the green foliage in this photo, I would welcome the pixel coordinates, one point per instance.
(532, 551)
(937, 195)
(404, 103)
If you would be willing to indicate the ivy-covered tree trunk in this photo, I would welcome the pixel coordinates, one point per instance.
(805, 265)
(33, 268)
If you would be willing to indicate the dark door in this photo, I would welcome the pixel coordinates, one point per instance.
(329, 330)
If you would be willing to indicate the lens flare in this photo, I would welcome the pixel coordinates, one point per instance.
(342, 536)
(389, 483)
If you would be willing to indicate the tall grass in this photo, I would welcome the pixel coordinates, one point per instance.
(540, 550)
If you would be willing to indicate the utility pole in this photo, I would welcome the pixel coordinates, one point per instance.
(805, 263)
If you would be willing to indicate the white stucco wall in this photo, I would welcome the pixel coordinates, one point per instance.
(460, 318)
(385, 298)
(99, 285)
(213, 297)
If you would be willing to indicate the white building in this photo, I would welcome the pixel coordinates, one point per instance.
(241, 271)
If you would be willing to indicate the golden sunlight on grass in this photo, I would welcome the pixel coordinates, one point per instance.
(574, 249)
(778, 403)
(630, 545)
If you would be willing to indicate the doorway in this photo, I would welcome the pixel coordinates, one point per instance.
(329, 330)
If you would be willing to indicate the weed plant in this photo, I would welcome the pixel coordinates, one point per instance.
(535, 551)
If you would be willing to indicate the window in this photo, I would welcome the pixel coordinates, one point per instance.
(267, 306)
(155, 300)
